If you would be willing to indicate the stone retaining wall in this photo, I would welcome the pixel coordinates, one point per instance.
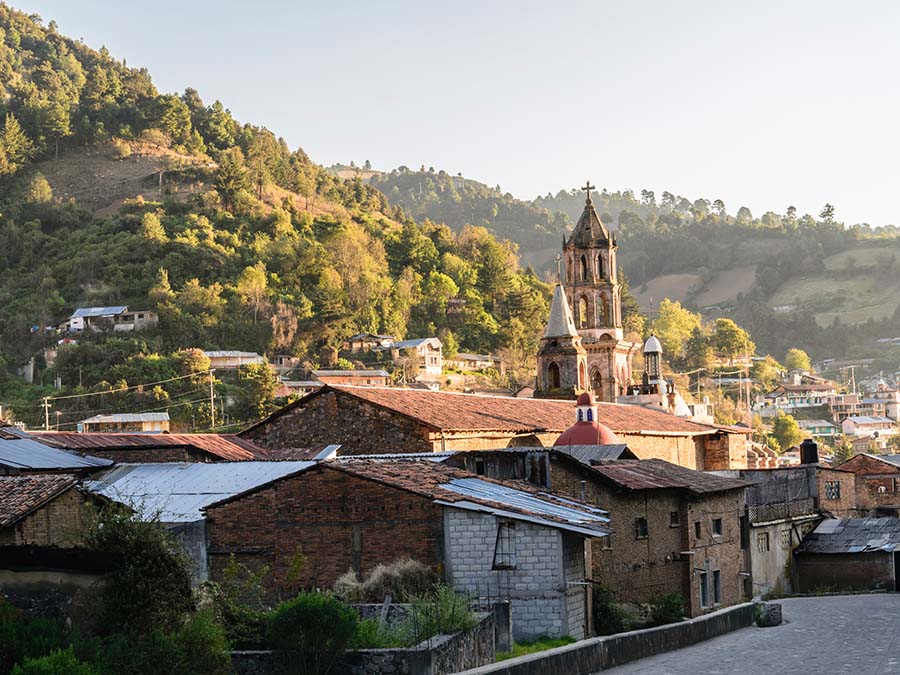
(596, 654)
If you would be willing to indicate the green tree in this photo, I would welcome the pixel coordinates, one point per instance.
(698, 351)
(731, 340)
(253, 289)
(797, 359)
(258, 385)
(152, 229)
(786, 431)
(15, 145)
(674, 325)
(766, 372)
(231, 177)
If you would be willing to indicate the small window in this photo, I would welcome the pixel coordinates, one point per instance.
(640, 528)
(786, 539)
(704, 590)
(674, 519)
(717, 527)
(832, 489)
(762, 542)
(590, 415)
(479, 467)
(717, 587)
(897, 485)
(606, 543)
(505, 547)
(580, 415)
(697, 530)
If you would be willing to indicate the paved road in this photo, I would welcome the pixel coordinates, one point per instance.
(858, 634)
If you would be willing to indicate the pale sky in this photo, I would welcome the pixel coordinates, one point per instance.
(761, 104)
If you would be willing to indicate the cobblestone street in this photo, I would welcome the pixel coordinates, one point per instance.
(857, 634)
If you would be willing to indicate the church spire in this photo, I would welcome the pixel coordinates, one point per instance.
(560, 323)
(589, 230)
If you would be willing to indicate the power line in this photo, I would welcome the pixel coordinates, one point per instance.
(174, 405)
(118, 391)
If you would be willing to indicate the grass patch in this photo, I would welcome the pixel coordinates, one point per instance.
(532, 646)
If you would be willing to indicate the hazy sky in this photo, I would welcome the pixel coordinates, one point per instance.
(761, 104)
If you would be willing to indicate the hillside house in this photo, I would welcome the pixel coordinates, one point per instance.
(366, 342)
(865, 425)
(487, 538)
(231, 359)
(471, 362)
(154, 422)
(359, 378)
(878, 483)
(428, 351)
(818, 428)
(375, 420)
(118, 318)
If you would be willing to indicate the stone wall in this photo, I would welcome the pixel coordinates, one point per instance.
(815, 572)
(336, 520)
(535, 588)
(684, 451)
(59, 522)
(137, 455)
(439, 655)
(588, 657)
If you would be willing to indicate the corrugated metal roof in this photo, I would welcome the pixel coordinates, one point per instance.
(350, 373)
(853, 535)
(178, 491)
(86, 312)
(225, 446)
(119, 418)
(231, 354)
(26, 453)
(869, 419)
(595, 453)
(407, 344)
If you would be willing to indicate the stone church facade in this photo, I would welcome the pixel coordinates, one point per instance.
(599, 360)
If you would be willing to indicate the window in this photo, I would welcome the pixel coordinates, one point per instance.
(897, 485)
(786, 539)
(553, 376)
(697, 530)
(479, 467)
(832, 489)
(590, 417)
(580, 415)
(505, 547)
(762, 542)
(583, 268)
(745, 532)
(606, 543)
(674, 519)
(704, 590)
(717, 527)
(717, 587)
(640, 528)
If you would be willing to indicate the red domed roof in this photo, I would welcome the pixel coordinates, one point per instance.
(588, 433)
(585, 398)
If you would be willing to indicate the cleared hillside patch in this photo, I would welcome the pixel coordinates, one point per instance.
(672, 286)
(726, 286)
(860, 257)
(853, 301)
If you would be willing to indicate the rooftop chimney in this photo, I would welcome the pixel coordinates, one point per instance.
(809, 452)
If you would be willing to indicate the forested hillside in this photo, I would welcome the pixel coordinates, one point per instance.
(113, 193)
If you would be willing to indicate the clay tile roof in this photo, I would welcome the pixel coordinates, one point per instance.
(649, 474)
(228, 447)
(450, 411)
(20, 495)
(451, 485)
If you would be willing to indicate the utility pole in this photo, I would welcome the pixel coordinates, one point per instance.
(212, 402)
(46, 413)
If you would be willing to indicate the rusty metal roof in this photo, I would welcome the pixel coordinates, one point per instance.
(228, 447)
(650, 474)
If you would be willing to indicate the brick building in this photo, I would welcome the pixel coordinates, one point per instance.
(374, 420)
(487, 538)
(654, 509)
(42, 511)
(878, 483)
(359, 378)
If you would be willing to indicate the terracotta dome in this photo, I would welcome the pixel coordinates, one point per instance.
(585, 398)
(588, 433)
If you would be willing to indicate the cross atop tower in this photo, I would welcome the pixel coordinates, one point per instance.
(587, 188)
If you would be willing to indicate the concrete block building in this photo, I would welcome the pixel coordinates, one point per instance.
(488, 538)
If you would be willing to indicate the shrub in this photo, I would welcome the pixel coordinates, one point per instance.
(150, 584)
(58, 662)
(120, 149)
(348, 587)
(24, 636)
(239, 604)
(202, 646)
(403, 580)
(441, 612)
(312, 631)
(377, 634)
(609, 617)
(668, 608)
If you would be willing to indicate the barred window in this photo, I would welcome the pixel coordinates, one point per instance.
(762, 542)
(674, 519)
(640, 528)
(786, 538)
(832, 489)
(505, 547)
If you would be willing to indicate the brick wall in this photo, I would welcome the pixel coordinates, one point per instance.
(844, 506)
(685, 451)
(844, 571)
(724, 451)
(875, 485)
(360, 427)
(59, 522)
(535, 589)
(574, 574)
(336, 520)
(149, 455)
